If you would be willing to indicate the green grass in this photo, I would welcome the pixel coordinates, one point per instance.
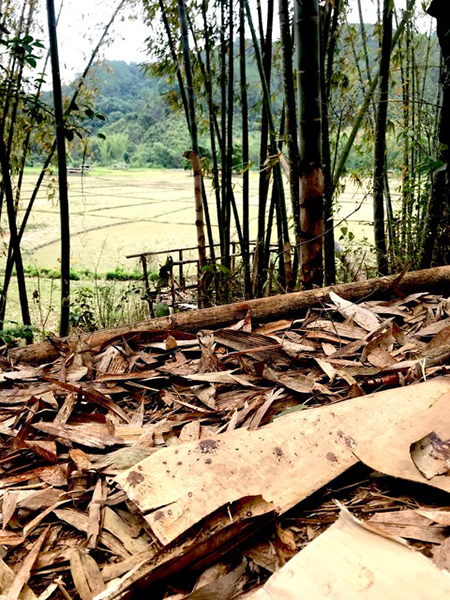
(33, 271)
(111, 302)
(119, 274)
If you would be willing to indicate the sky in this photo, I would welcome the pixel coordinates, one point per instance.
(82, 21)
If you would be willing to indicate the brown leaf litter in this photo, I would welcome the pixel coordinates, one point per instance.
(208, 466)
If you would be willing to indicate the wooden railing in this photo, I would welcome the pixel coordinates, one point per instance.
(181, 262)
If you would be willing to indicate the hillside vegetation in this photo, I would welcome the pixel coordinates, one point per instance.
(145, 127)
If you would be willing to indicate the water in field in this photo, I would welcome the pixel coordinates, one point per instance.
(118, 213)
(115, 214)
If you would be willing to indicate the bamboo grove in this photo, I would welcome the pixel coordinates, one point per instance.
(346, 98)
(336, 100)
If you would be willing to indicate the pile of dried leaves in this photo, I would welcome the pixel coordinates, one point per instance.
(187, 463)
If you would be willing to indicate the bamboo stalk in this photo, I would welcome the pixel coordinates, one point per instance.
(245, 155)
(62, 171)
(380, 141)
(367, 103)
(193, 155)
(307, 42)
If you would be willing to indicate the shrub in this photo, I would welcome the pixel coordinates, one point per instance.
(16, 332)
(34, 271)
(107, 305)
(119, 274)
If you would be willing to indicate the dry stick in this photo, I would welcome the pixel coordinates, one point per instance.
(24, 573)
(197, 172)
(286, 306)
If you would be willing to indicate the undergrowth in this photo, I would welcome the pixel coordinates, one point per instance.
(107, 305)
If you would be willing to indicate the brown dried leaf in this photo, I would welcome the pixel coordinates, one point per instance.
(23, 575)
(361, 316)
(431, 455)
(46, 450)
(80, 434)
(409, 524)
(96, 514)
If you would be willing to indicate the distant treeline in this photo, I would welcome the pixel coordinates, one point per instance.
(144, 126)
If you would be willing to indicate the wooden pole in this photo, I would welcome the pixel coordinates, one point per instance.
(286, 306)
(199, 222)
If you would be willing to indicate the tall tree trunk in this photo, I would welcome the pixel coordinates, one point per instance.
(10, 92)
(284, 244)
(202, 187)
(173, 53)
(307, 38)
(230, 102)
(264, 175)
(10, 262)
(225, 249)
(364, 41)
(16, 96)
(197, 172)
(212, 116)
(406, 188)
(440, 197)
(62, 172)
(380, 141)
(7, 130)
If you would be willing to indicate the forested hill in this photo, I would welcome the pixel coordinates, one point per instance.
(142, 129)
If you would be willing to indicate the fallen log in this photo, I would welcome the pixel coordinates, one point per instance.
(283, 306)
